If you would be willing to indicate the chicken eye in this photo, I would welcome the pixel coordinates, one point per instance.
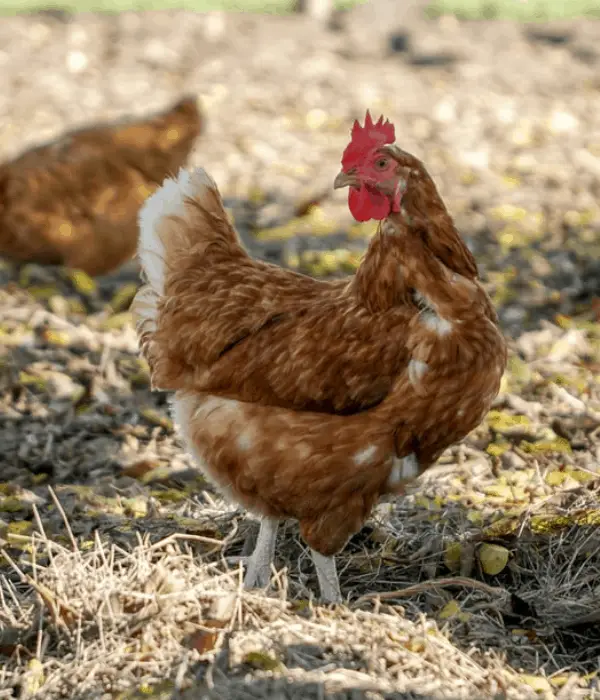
(381, 163)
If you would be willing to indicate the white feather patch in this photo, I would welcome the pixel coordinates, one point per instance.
(366, 455)
(416, 370)
(436, 323)
(168, 200)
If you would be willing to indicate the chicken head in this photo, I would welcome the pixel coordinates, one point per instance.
(376, 180)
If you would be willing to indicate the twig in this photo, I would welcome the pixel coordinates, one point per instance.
(430, 585)
(63, 515)
(218, 544)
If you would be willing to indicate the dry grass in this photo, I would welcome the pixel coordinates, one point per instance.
(169, 619)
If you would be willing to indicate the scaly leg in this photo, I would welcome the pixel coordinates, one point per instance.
(258, 572)
(328, 579)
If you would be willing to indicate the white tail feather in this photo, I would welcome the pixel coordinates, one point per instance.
(168, 200)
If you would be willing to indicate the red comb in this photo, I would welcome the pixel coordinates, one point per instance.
(367, 137)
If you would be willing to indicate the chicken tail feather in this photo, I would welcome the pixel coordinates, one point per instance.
(169, 225)
(176, 225)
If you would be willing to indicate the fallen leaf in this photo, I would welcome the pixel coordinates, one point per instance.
(262, 660)
(499, 490)
(155, 418)
(202, 641)
(452, 555)
(493, 558)
(137, 470)
(538, 683)
(82, 282)
(449, 610)
(122, 298)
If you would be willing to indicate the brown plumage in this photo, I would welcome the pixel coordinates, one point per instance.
(75, 201)
(311, 399)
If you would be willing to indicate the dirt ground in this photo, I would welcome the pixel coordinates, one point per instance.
(116, 570)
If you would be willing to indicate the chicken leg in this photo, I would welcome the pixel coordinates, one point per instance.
(258, 572)
(328, 578)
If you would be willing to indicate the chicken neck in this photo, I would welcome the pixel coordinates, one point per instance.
(406, 265)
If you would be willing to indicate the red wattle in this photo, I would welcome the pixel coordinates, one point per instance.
(368, 204)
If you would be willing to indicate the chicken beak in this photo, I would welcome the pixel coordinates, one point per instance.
(345, 180)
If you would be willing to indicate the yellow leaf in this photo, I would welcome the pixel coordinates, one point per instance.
(508, 212)
(262, 660)
(452, 556)
(548, 523)
(581, 476)
(76, 307)
(511, 181)
(117, 321)
(156, 418)
(475, 517)
(449, 610)
(12, 504)
(495, 449)
(555, 478)
(493, 558)
(138, 506)
(123, 296)
(82, 282)
(27, 379)
(519, 493)
(558, 445)
(499, 490)
(422, 501)
(538, 683)
(564, 321)
(20, 527)
(54, 337)
(41, 293)
(501, 421)
(160, 473)
(559, 680)
(168, 495)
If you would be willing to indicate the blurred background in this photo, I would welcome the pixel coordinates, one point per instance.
(498, 97)
(463, 9)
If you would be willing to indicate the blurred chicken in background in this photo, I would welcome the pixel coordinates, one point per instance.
(75, 201)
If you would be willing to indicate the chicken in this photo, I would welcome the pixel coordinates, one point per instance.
(75, 202)
(310, 399)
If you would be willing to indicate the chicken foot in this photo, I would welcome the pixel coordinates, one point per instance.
(258, 572)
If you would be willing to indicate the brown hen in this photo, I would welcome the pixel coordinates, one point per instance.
(75, 202)
(311, 399)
